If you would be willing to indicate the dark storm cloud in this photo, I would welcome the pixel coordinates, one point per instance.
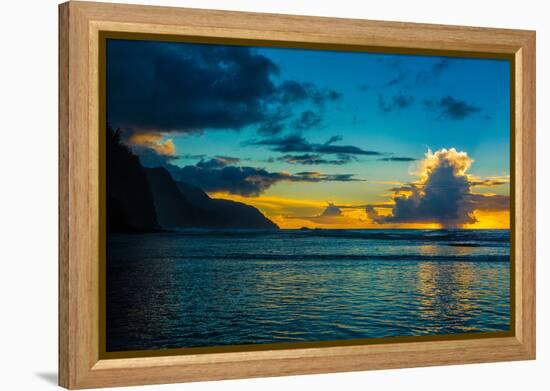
(297, 143)
(313, 159)
(443, 196)
(215, 175)
(397, 102)
(449, 107)
(154, 86)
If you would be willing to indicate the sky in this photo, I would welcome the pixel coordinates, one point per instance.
(326, 139)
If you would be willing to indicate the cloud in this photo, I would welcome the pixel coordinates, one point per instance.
(400, 189)
(334, 139)
(434, 72)
(292, 91)
(216, 162)
(331, 210)
(429, 75)
(314, 159)
(373, 214)
(153, 148)
(400, 78)
(297, 143)
(293, 213)
(192, 156)
(275, 120)
(489, 182)
(288, 95)
(216, 175)
(490, 202)
(271, 127)
(426, 76)
(440, 66)
(398, 159)
(315, 176)
(184, 87)
(449, 107)
(154, 141)
(331, 216)
(402, 101)
(228, 159)
(307, 120)
(397, 102)
(441, 195)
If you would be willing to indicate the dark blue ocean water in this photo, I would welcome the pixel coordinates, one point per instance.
(200, 288)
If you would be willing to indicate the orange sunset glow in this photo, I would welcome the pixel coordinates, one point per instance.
(440, 175)
(292, 214)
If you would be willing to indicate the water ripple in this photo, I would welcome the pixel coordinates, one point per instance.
(220, 288)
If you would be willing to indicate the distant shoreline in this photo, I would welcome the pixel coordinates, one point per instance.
(254, 231)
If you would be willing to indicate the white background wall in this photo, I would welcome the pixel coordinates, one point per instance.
(28, 194)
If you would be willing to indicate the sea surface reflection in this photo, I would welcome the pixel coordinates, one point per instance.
(195, 289)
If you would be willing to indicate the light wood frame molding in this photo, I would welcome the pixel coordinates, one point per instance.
(80, 24)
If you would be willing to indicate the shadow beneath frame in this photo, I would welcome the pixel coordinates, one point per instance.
(48, 377)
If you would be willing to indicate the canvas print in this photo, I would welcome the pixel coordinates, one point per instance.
(273, 196)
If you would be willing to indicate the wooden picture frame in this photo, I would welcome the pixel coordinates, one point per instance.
(80, 300)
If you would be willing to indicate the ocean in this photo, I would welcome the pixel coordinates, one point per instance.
(214, 288)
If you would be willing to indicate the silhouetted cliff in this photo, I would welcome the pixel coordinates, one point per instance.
(130, 205)
(230, 213)
(148, 199)
(173, 209)
(181, 205)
